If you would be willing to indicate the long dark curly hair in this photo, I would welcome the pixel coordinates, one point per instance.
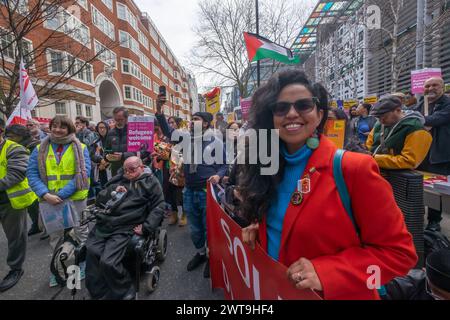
(257, 189)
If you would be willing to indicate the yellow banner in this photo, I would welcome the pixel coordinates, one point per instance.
(231, 117)
(335, 131)
(349, 103)
(371, 100)
(213, 101)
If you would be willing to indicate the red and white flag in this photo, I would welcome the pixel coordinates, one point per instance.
(28, 99)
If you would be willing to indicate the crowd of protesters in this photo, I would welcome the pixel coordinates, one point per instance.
(323, 250)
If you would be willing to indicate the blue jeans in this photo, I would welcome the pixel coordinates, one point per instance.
(194, 204)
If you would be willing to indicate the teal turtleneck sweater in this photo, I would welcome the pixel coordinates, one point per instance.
(294, 169)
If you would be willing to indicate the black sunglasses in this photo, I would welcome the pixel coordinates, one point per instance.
(303, 106)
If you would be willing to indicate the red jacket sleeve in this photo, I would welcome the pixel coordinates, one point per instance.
(386, 243)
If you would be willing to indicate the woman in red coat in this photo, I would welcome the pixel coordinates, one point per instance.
(298, 214)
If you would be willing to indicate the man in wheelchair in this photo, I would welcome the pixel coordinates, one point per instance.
(138, 209)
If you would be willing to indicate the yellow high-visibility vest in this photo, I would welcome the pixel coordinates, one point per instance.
(21, 196)
(59, 175)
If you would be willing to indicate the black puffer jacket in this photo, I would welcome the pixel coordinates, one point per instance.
(143, 204)
(439, 120)
(116, 141)
(411, 287)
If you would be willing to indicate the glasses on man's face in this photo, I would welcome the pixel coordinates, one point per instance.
(131, 170)
(303, 106)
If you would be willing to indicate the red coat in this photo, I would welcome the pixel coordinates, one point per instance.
(320, 229)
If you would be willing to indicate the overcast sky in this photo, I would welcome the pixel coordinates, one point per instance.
(174, 20)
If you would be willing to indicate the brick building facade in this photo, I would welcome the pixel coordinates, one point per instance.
(111, 53)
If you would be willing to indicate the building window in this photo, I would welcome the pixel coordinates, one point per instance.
(83, 3)
(109, 4)
(105, 55)
(155, 88)
(143, 39)
(165, 79)
(102, 23)
(10, 49)
(125, 66)
(57, 60)
(153, 33)
(6, 45)
(125, 14)
(146, 82)
(129, 67)
(127, 92)
(60, 109)
(155, 53)
(127, 41)
(88, 111)
(79, 109)
(121, 11)
(65, 22)
(156, 71)
(22, 6)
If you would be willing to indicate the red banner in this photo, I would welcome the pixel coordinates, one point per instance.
(243, 273)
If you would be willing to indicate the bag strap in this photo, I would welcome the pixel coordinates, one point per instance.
(345, 197)
(342, 187)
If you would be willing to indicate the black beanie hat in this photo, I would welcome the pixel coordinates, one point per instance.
(206, 116)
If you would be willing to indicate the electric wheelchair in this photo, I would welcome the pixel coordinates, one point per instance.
(143, 253)
(141, 259)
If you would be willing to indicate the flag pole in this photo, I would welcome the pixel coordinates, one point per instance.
(258, 66)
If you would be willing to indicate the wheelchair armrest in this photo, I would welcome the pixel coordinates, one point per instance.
(137, 244)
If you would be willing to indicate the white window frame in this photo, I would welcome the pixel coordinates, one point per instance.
(110, 55)
(83, 4)
(72, 26)
(143, 39)
(103, 24)
(130, 43)
(146, 81)
(83, 76)
(65, 108)
(156, 71)
(155, 87)
(80, 114)
(136, 94)
(109, 4)
(90, 114)
(135, 70)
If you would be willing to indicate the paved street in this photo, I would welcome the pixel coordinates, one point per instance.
(175, 284)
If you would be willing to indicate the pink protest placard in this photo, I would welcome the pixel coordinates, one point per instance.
(418, 78)
(140, 133)
(246, 104)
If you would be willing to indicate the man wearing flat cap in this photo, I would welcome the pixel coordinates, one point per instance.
(398, 141)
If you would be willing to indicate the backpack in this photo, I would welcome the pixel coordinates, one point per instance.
(434, 241)
(64, 256)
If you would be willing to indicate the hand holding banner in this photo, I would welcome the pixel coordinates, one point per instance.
(243, 273)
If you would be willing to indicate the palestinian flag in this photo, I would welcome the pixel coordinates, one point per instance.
(260, 48)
